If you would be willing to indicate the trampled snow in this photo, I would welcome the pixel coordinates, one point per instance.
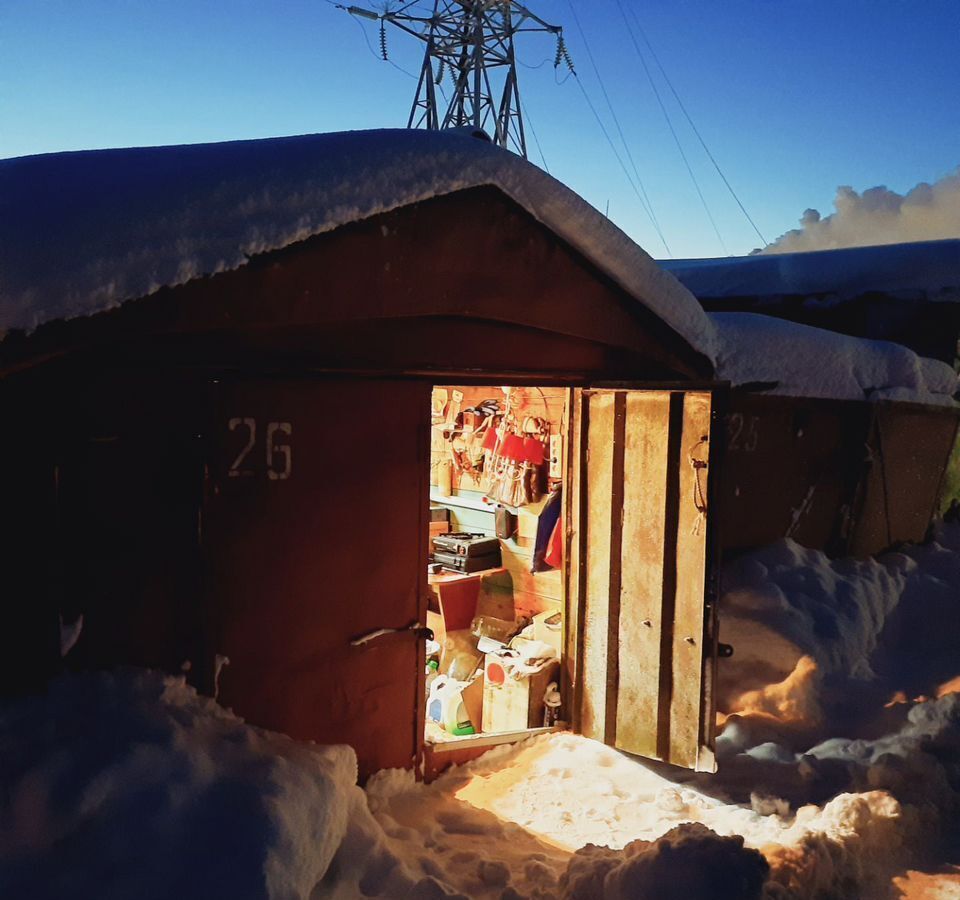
(812, 362)
(839, 768)
(83, 232)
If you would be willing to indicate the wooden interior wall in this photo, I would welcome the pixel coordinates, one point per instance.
(530, 593)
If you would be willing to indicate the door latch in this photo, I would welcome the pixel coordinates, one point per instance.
(417, 628)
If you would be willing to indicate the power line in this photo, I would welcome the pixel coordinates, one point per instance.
(644, 199)
(673, 131)
(376, 55)
(696, 131)
(613, 147)
(536, 140)
(539, 65)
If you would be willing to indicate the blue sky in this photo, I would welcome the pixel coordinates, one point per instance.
(793, 98)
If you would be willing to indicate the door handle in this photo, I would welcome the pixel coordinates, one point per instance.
(416, 628)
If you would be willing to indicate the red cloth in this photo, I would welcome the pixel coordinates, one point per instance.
(554, 554)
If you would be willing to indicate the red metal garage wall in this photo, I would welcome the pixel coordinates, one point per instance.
(841, 476)
(909, 449)
(314, 534)
(791, 467)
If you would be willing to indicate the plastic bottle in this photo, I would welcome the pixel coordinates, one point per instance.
(445, 705)
(436, 701)
(456, 720)
(551, 705)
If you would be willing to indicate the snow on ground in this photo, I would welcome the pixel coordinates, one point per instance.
(812, 362)
(837, 789)
(83, 232)
(839, 776)
(130, 785)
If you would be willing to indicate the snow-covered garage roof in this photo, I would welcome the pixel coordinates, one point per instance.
(815, 362)
(927, 270)
(83, 232)
(812, 362)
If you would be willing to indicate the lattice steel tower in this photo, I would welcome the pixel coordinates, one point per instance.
(469, 42)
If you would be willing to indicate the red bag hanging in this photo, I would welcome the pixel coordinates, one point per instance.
(533, 451)
(512, 448)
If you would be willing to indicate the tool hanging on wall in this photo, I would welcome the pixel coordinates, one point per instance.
(699, 492)
(536, 434)
(518, 452)
(495, 449)
(466, 435)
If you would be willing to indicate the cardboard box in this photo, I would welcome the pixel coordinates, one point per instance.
(511, 704)
(472, 696)
(548, 627)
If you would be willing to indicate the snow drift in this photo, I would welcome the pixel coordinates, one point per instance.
(131, 785)
(879, 216)
(836, 772)
(688, 861)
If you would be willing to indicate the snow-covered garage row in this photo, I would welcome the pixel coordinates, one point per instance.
(81, 233)
(302, 295)
(225, 363)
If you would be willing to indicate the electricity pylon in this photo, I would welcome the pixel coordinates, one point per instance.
(471, 40)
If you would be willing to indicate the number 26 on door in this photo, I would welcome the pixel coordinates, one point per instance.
(277, 449)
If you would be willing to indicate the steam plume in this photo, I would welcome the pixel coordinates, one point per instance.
(879, 216)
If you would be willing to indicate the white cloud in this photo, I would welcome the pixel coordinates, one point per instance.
(879, 216)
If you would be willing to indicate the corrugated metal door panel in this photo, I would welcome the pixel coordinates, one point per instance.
(314, 535)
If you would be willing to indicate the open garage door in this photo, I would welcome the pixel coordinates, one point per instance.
(639, 589)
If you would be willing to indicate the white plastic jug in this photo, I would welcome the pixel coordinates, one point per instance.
(445, 705)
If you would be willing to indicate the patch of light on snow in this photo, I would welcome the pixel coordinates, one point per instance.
(916, 885)
(570, 791)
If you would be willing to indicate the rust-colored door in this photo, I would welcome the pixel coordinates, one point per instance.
(644, 636)
(314, 536)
